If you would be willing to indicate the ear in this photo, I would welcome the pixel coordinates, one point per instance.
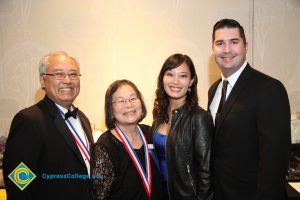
(42, 81)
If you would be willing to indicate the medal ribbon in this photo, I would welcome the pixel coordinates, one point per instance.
(81, 145)
(145, 176)
(84, 148)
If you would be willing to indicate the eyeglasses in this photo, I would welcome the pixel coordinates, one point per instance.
(62, 75)
(122, 102)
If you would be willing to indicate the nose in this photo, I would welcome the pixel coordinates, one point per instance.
(226, 48)
(67, 79)
(128, 103)
(175, 79)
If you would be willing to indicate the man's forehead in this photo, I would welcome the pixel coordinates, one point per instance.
(227, 34)
(57, 68)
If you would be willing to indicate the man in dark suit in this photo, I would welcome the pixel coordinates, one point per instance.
(53, 146)
(252, 127)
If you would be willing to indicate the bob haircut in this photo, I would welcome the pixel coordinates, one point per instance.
(109, 118)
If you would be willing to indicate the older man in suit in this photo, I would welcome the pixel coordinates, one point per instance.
(252, 123)
(52, 139)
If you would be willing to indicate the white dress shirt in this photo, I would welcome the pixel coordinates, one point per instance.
(78, 127)
(231, 82)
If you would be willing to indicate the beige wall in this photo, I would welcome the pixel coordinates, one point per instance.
(131, 39)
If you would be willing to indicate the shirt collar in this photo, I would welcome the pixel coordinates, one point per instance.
(64, 110)
(234, 77)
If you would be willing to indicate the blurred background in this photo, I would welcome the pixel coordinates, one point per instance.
(131, 39)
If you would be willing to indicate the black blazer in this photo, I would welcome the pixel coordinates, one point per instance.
(252, 139)
(40, 138)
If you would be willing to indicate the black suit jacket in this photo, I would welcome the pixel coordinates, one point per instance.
(252, 139)
(40, 138)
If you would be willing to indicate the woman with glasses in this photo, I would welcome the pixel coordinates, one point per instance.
(182, 132)
(121, 164)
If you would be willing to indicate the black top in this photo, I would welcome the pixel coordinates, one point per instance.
(119, 178)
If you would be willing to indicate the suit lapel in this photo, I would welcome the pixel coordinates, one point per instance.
(212, 91)
(63, 129)
(233, 96)
(86, 127)
(67, 135)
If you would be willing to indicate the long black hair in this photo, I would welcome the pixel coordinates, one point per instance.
(161, 102)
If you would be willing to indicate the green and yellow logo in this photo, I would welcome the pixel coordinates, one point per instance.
(21, 176)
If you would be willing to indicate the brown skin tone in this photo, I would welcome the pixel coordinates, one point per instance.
(62, 92)
(127, 116)
(229, 50)
(176, 83)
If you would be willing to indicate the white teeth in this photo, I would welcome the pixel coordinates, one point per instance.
(227, 59)
(128, 112)
(68, 90)
(175, 88)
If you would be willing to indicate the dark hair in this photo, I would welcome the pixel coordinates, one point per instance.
(229, 23)
(109, 118)
(161, 102)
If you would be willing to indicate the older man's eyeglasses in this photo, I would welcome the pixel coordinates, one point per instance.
(62, 75)
(122, 101)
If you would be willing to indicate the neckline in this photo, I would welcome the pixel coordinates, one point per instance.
(161, 134)
(120, 142)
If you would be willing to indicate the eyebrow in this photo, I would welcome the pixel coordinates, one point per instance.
(232, 39)
(133, 94)
(61, 70)
(171, 70)
(235, 39)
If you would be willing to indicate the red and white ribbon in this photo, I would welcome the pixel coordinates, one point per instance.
(145, 175)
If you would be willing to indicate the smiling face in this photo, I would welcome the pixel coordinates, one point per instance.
(62, 92)
(176, 82)
(126, 109)
(229, 50)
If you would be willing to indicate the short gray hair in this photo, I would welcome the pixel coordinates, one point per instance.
(44, 61)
